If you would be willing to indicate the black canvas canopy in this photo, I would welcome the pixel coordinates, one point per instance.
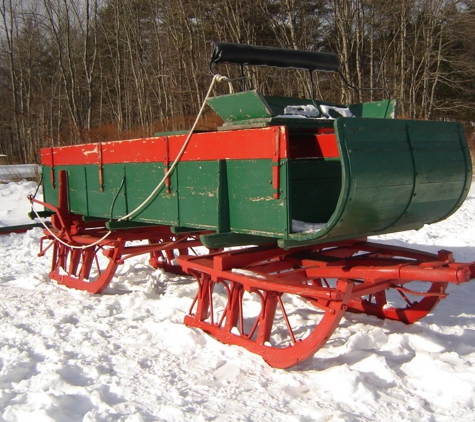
(225, 52)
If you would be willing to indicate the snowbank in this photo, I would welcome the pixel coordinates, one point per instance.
(19, 172)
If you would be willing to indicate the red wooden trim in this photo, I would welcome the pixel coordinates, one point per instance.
(238, 144)
(276, 180)
(328, 145)
(323, 145)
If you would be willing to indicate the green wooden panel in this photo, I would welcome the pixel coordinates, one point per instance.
(252, 206)
(125, 188)
(141, 179)
(50, 192)
(314, 186)
(78, 188)
(240, 106)
(95, 199)
(391, 183)
(200, 202)
(197, 198)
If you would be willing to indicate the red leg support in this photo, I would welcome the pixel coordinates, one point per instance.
(358, 276)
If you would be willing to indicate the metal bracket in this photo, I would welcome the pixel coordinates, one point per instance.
(53, 182)
(276, 168)
(166, 162)
(101, 167)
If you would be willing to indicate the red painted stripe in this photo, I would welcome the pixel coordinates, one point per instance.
(316, 145)
(238, 144)
(265, 143)
(328, 145)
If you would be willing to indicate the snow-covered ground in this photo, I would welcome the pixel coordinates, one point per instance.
(125, 355)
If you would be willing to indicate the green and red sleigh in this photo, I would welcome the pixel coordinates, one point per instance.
(297, 184)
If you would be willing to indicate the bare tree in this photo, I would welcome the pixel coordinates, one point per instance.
(74, 70)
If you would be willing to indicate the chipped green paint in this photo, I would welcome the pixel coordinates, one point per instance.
(199, 195)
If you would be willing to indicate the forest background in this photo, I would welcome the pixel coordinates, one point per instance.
(76, 71)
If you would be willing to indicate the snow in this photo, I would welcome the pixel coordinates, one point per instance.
(310, 111)
(302, 110)
(342, 111)
(125, 355)
(14, 205)
(302, 226)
